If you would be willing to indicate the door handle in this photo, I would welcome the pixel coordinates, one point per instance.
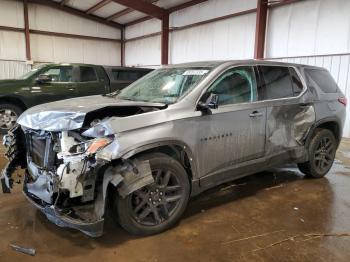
(255, 114)
(71, 87)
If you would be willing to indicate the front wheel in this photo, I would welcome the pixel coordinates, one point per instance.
(156, 207)
(321, 151)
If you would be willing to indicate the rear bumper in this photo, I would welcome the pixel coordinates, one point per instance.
(92, 229)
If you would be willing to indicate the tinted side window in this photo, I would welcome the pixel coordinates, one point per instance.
(323, 79)
(115, 74)
(87, 74)
(235, 86)
(297, 84)
(277, 82)
(60, 73)
(143, 73)
(126, 75)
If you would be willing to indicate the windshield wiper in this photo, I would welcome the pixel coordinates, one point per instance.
(113, 94)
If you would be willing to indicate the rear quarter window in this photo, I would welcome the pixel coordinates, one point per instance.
(322, 78)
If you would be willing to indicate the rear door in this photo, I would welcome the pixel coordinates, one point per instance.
(289, 113)
(90, 83)
(235, 132)
(61, 87)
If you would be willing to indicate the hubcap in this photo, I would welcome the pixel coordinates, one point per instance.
(155, 203)
(7, 118)
(324, 154)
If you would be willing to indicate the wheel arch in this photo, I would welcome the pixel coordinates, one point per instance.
(175, 149)
(14, 101)
(332, 124)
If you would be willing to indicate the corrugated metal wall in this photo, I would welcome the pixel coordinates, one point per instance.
(62, 49)
(145, 51)
(13, 69)
(228, 39)
(315, 29)
(52, 48)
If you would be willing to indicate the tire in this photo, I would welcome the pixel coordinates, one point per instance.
(321, 152)
(8, 116)
(151, 202)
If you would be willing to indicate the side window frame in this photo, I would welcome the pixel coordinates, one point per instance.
(294, 73)
(93, 68)
(252, 67)
(59, 67)
(262, 84)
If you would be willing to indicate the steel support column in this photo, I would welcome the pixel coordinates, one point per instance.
(26, 29)
(122, 47)
(165, 40)
(260, 31)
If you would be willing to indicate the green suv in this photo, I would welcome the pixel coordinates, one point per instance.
(51, 82)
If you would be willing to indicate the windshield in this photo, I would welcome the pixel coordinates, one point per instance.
(31, 72)
(164, 85)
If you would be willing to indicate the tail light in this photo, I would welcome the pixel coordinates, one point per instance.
(343, 100)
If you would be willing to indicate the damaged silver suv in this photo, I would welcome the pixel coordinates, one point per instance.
(172, 134)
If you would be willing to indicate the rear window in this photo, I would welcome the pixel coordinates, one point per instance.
(322, 78)
(277, 82)
(128, 75)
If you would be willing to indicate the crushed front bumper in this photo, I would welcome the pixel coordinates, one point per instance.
(90, 228)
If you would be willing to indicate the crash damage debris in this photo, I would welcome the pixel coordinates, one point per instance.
(79, 175)
(24, 250)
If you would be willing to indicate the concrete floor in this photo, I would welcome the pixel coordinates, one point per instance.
(271, 216)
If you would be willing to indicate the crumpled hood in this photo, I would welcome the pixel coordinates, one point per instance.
(70, 114)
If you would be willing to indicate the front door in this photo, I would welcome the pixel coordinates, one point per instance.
(235, 132)
(61, 86)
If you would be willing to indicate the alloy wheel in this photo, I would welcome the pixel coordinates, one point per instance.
(155, 203)
(324, 154)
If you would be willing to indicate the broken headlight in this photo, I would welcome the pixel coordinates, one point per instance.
(90, 147)
(97, 144)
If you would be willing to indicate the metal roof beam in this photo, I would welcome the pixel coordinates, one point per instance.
(185, 5)
(126, 11)
(76, 12)
(97, 6)
(120, 13)
(144, 7)
(170, 10)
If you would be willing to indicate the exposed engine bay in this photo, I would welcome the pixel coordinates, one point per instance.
(65, 176)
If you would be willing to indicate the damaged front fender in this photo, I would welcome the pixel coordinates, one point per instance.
(131, 176)
(126, 177)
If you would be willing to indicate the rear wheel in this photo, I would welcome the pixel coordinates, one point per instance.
(8, 116)
(321, 150)
(156, 207)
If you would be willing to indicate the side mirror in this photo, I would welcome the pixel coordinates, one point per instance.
(211, 103)
(42, 79)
